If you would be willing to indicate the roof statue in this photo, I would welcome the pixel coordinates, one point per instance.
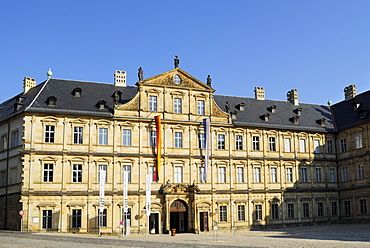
(49, 73)
(209, 80)
(140, 74)
(176, 61)
(227, 107)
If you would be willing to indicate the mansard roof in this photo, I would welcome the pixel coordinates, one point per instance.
(353, 112)
(283, 118)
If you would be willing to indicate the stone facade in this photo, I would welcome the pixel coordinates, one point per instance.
(270, 173)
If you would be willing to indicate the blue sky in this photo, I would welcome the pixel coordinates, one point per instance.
(317, 47)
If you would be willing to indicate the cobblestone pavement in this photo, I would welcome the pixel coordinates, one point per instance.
(339, 235)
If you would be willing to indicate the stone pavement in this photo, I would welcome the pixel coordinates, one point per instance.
(338, 235)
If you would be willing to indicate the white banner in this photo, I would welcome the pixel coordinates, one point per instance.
(148, 193)
(102, 174)
(125, 197)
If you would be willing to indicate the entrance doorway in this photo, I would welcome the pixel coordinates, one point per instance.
(179, 216)
(203, 221)
(153, 223)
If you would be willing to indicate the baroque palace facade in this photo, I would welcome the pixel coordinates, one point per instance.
(270, 163)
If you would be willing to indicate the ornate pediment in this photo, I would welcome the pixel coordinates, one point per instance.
(178, 188)
(175, 78)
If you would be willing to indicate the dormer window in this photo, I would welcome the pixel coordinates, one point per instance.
(356, 106)
(265, 117)
(362, 114)
(101, 104)
(51, 101)
(241, 106)
(116, 96)
(298, 111)
(77, 92)
(234, 115)
(19, 99)
(295, 119)
(272, 109)
(321, 122)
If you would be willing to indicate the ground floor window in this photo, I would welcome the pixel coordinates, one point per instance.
(306, 210)
(363, 207)
(241, 212)
(274, 211)
(258, 212)
(76, 218)
(347, 208)
(334, 209)
(223, 214)
(102, 216)
(290, 210)
(126, 216)
(320, 209)
(46, 219)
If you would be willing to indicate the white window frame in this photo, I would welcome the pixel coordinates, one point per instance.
(201, 141)
(272, 144)
(256, 142)
(201, 107)
(102, 167)
(153, 103)
(103, 136)
(257, 174)
(152, 138)
(358, 141)
(360, 172)
(273, 174)
(239, 174)
(48, 173)
(178, 139)
(77, 173)
(239, 142)
(222, 174)
(49, 134)
(177, 105)
(78, 135)
(289, 174)
(221, 142)
(178, 174)
(332, 178)
(316, 146)
(126, 137)
(302, 145)
(287, 145)
(318, 175)
(304, 175)
(128, 169)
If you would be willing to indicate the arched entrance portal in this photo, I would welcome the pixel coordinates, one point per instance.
(179, 216)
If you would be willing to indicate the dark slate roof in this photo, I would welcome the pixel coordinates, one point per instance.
(66, 103)
(346, 116)
(255, 109)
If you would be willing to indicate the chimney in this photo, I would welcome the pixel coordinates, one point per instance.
(120, 78)
(259, 93)
(293, 96)
(350, 92)
(28, 83)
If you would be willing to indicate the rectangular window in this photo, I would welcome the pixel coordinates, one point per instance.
(102, 218)
(201, 140)
(128, 169)
(358, 141)
(316, 146)
(48, 173)
(77, 173)
(201, 107)
(272, 144)
(257, 174)
(334, 209)
(306, 210)
(239, 142)
(104, 168)
(178, 174)
(320, 209)
(258, 209)
(256, 143)
(330, 147)
(201, 175)
(49, 134)
(287, 145)
(46, 219)
(345, 176)
(152, 103)
(2, 178)
(4, 142)
(289, 175)
(343, 145)
(15, 139)
(126, 137)
(77, 135)
(76, 218)
(360, 172)
(178, 139)
(221, 141)
(318, 175)
(223, 214)
(304, 177)
(302, 145)
(274, 211)
(363, 207)
(347, 208)
(152, 138)
(239, 174)
(290, 210)
(273, 174)
(103, 136)
(332, 175)
(177, 105)
(241, 212)
(222, 174)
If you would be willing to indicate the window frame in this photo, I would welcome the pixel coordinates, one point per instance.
(178, 140)
(239, 174)
(77, 173)
(221, 142)
(48, 173)
(273, 174)
(222, 174)
(201, 107)
(223, 213)
(256, 142)
(257, 174)
(102, 136)
(238, 142)
(78, 135)
(153, 101)
(241, 212)
(178, 174)
(289, 174)
(177, 105)
(47, 219)
(272, 144)
(76, 218)
(49, 135)
(126, 137)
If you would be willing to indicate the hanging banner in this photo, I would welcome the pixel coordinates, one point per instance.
(207, 134)
(125, 197)
(148, 193)
(102, 174)
(158, 146)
